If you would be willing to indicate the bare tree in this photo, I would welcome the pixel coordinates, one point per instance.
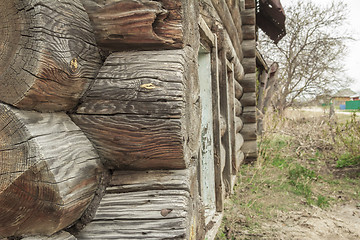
(310, 54)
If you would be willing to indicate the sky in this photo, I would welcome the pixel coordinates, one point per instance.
(352, 60)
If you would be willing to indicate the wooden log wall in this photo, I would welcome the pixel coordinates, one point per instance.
(49, 172)
(48, 55)
(140, 110)
(248, 99)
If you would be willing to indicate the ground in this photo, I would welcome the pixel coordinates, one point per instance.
(305, 183)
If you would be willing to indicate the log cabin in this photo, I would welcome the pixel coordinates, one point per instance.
(125, 119)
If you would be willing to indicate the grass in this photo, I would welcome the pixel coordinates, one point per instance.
(303, 162)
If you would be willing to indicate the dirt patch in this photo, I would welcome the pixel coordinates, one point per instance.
(340, 222)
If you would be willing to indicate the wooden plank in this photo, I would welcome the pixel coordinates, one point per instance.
(219, 198)
(250, 4)
(48, 55)
(205, 32)
(232, 131)
(130, 181)
(49, 172)
(132, 24)
(225, 112)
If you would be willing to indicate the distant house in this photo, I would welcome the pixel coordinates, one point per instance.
(339, 99)
(355, 97)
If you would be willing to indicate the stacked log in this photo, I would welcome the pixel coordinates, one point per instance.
(48, 56)
(49, 172)
(134, 24)
(156, 204)
(135, 113)
(249, 82)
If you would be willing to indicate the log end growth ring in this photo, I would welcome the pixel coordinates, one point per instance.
(48, 55)
(49, 172)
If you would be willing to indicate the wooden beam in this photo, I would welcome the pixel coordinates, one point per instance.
(205, 33)
(44, 66)
(228, 22)
(135, 111)
(250, 4)
(248, 47)
(249, 32)
(225, 113)
(248, 99)
(49, 172)
(134, 24)
(249, 65)
(249, 132)
(248, 83)
(248, 17)
(219, 197)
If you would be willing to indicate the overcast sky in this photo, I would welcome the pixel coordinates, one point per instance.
(352, 60)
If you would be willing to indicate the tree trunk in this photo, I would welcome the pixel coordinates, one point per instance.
(48, 55)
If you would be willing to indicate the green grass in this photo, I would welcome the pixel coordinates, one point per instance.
(347, 160)
(294, 171)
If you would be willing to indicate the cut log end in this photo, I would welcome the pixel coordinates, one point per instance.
(49, 172)
(48, 58)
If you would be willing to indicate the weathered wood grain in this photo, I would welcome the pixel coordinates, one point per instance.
(144, 205)
(250, 150)
(248, 47)
(238, 124)
(130, 181)
(228, 22)
(250, 4)
(238, 90)
(49, 172)
(248, 16)
(249, 114)
(249, 131)
(224, 79)
(248, 83)
(248, 99)
(249, 32)
(48, 56)
(57, 236)
(217, 127)
(249, 65)
(134, 24)
(238, 107)
(134, 113)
